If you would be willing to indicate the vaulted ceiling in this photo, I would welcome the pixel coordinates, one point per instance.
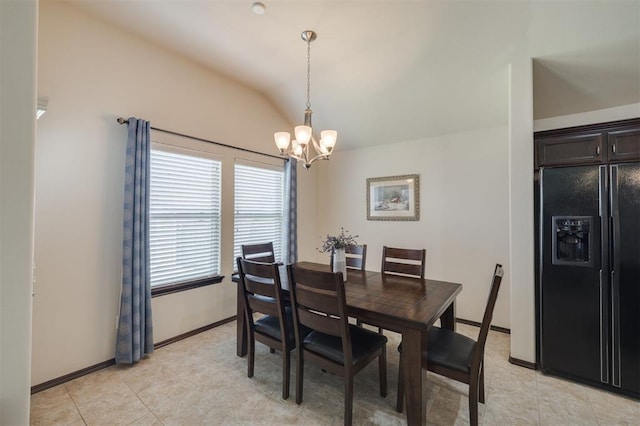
(388, 71)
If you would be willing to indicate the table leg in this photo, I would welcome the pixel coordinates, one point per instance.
(412, 371)
(241, 332)
(448, 318)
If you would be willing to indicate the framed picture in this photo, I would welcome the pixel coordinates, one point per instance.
(393, 198)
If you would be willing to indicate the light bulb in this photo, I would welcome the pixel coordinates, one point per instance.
(282, 140)
(328, 138)
(323, 147)
(297, 148)
(303, 134)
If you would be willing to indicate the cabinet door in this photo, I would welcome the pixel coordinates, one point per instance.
(624, 145)
(585, 148)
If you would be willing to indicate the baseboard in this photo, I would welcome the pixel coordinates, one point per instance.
(477, 324)
(512, 360)
(523, 363)
(71, 376)
(193, 332)
(97, 367)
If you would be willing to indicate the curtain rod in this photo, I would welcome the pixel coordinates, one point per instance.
(121, 120)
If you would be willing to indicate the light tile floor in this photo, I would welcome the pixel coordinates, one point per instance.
(200, 381)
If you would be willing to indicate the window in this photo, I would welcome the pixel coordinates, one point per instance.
(184, 217)
(259, 207)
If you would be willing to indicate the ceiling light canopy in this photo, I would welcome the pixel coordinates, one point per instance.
(258, 8)
(300, 146)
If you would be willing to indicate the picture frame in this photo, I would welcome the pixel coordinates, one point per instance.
(393, 197)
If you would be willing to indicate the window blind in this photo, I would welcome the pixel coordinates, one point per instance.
(259, 208)
(184, 217)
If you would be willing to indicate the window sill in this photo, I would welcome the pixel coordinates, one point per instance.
(161, 290)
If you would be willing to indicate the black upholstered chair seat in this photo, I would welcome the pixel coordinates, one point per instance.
(328, 346)
(449, 349)
(270, 326)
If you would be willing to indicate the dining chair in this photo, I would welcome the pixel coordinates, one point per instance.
(262, 293)
(259, 252)
(456, 356)
(262, 252)
(319, 302)
(400, 261)
(356, 257)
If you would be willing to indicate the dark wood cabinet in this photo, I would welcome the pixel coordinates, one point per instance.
(617, 141)
(624, 145)
(570, 149)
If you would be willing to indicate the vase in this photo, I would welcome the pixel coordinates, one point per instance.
(340, 262)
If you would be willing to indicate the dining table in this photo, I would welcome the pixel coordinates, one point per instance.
(406, 305)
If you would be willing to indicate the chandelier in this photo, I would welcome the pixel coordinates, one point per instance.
(301, 145)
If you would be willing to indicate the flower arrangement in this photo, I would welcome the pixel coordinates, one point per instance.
(341, 241)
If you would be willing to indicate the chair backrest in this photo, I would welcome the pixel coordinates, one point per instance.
(319, 302)
(488, 311)
(262, 289)
(356, 256)
(403, 261)
(259, 252)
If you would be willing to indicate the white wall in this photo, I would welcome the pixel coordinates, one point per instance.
(599, 116)
(463, 209)
(521, 223)
(18, 52)
(92, 73)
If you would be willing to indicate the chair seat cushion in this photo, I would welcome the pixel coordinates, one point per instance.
(449, 349)
(363, 343)
(270, 325)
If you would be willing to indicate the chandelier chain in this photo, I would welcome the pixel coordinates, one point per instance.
(309, 74)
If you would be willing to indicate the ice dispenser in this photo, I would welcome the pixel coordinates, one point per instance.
(572, 240)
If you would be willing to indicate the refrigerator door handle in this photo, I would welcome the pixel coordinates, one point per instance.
(605, 335)
(615, 284)
(615, 332)
(604, 332)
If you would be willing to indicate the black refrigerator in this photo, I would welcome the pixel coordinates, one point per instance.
(589, 272)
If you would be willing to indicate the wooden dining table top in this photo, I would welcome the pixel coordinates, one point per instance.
(391, 301)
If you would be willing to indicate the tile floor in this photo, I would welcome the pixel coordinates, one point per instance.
(200, 381)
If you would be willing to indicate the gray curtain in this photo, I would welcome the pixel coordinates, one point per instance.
(291, 218)
(135, 333)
